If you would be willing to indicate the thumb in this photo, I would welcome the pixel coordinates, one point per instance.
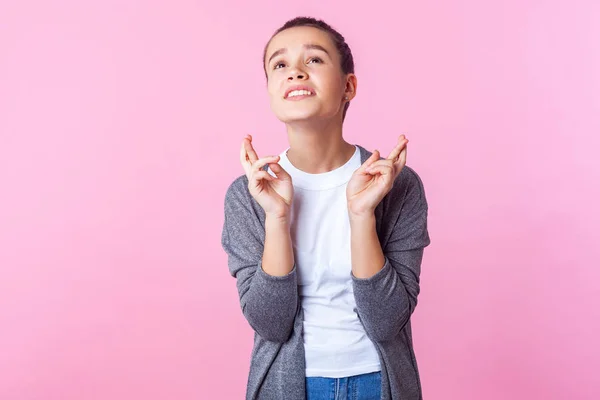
(374, 157)
(279, 171)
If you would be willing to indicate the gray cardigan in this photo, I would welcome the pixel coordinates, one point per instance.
(384, 302)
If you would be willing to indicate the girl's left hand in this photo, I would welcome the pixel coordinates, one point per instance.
(374, 179)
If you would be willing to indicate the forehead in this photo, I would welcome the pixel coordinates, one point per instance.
(295, 38)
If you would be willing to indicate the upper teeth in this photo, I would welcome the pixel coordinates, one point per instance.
(299, 93)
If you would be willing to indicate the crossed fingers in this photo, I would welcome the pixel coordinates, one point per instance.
(250, 161)
(395, 161)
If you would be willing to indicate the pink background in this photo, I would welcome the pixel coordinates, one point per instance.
(120, 126)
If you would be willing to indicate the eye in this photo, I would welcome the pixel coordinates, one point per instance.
(276, 66)
(315, 59)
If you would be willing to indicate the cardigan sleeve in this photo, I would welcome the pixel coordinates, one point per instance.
(386, 300)
(268, 302)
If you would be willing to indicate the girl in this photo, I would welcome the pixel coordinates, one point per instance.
(325, 240)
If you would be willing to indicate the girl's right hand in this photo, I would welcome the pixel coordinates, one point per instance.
(274, 194)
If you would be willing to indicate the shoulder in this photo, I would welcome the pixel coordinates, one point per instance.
(408, 189)
(238, 201)
(237, 187)
(409, 178)
(237, 195)
(238, 190)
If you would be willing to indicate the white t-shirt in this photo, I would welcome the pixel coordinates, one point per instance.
(335, 341)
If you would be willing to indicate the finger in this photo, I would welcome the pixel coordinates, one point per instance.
(402, 157)
(377, 163)
(402, 141)
(260, 175)
(244, 159)
(279, 171)
(400, 163)
(264, 161)
(252, 156)
(383, 169)
(374, 157)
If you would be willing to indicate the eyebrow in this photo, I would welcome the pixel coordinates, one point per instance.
(309, 46)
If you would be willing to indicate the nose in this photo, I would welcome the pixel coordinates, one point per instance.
(296, 73)
(299, 76)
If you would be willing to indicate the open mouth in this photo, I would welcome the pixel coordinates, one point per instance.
(299, 94)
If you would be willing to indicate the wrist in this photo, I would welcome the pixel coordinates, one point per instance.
(277, 218)
(362, 217)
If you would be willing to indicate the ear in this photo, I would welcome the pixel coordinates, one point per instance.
(351, 84)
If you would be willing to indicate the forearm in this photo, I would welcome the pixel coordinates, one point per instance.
(269, 296)
(366, 253)
(385, 276)
(381, 299)
(270, 304)
(278, 254)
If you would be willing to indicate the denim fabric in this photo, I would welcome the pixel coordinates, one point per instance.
(358, 387)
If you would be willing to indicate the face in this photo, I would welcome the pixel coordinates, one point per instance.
(305, 80)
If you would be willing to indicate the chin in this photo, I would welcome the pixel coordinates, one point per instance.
(298, 117)
(303, 115)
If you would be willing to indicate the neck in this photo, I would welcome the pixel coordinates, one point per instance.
(318, 147)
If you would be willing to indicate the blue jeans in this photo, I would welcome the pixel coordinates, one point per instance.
(358, 387)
